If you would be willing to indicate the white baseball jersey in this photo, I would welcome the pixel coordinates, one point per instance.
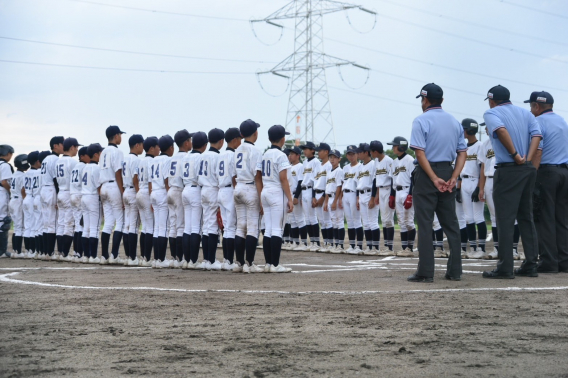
(75, 186)
(142, 172)
(486, 155)
(48, 170)
(157, 169)
(471, 166)
(207, 171)
(296, 174)
(31, 182)
(320, 175)
(129, 169)
(226, 166)
(191, 163)
(334, 179)
(273, 162)
(310, 167)
(383, 176)
(366, 176)
(110, 162)
(175, 169)
(350, 174)
(91, 179)
(402, 169)
(247, 158)
(16, 184)
(64, 167)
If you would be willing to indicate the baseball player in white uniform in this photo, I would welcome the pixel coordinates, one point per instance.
(91, 202)
(276, 198)
(6, 171)
(38, 211)
(486, 157)
(48, 194)
(31, 187)
(226, 199)
(384, 184)
(80, 242)
(65, 219)
(403, 166)
(247, 198)
(320, 181)
(144, 201)
(473, 208)
(208, 172)
(310, 166)
(349, 202)
(191, 199)
(112, 188)
(297, 220)
(131, 184)
(332, 203)
(17, 192)
(157, 170)
(367, 189)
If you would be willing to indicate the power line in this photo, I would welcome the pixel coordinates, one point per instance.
(487, 27)
(533, 9)
(133, 52)
(126, 69)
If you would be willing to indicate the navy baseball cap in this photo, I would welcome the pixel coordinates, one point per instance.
(70, 142)
(215, 135)
(112, 131)
(42, 155)
(6, 149)
(352, 149)
(364, 147)
(323, 147)
(335, 153)
(33, 157)
(431, 90)
(296, 150)
(181, 136)
(377, 146)
(309, 145)
(232, 133)
(93, 149)
(165, 142)
(135, 139)
(56, 140)
(248, 128)
(498, 93)
(199, 139)
(277, 132)
(541, 97)
(150, 142)
(82, 151)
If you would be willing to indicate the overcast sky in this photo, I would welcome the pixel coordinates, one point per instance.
(464, 46)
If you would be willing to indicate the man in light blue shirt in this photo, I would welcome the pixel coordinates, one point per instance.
(437, 139)
(551, 190)
(515, 135)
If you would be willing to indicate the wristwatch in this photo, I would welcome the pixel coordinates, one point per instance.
(514, 154)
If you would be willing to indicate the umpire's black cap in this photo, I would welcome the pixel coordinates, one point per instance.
(248, 128)
(216, 135)
(431, 90)
(377, 146)
(541, 97)
(165, 142)
(112, 131)
(135, 139)
(498, 93)
(232, 133)
(181, 136)
(199, 139)
(33, 157)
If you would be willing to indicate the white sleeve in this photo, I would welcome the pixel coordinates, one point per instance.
(282, 163)
(117, 160)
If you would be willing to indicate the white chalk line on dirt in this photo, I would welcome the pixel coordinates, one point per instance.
(6, 278)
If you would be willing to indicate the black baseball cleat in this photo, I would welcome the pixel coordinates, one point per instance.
(498, 275)
(526, 272)
(416, 278)
(452, 278)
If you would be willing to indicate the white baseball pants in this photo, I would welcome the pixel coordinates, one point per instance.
(226, 201)
(309, 212)
(489, 200)
(17, 213)
(160, 205)
(297, 218)
(405, 217)
(77, 211)
(247, 205)
(131, 217)
(144, 204)
(323, 216)
(209, 198)
(29, 216)
(92, 215)
(274, 204)
(387, 214)
(473, 210)
(369, 217)
(337, 215)
(111, 199)
(48, 210)
(460, 214)
(192, 208)
(352, 215)
(65, 220)
(37, 228)
(176, 209)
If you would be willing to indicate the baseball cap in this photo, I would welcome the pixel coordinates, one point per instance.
(181, 136)
(199, 139)
(335, 153)
(82, 151)
(33, 157)
(296, 150)
(112, 131)
(165, 142)
(150, 142)
(352, 149)
(364, 147)
(498, 93)
(215, 135)
(398, 141)
(323, 147)
(248, 127)
(431, 90)
(93, 149)
(232, 133)
(309, 145)
(6, 149)
(56, 140)
(70, 142)
(277, 132)
(377, 146)
(287, 151)
(42, 155)
(135, 139)
(541, 97)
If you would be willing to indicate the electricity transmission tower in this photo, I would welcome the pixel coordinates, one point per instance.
(308, 103)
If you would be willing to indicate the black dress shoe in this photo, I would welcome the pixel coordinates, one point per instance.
(498, 275)
(452, 278)
(416, 278)
(541, 270)
(526, 272)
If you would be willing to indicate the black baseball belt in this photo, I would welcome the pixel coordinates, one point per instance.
(399, 188)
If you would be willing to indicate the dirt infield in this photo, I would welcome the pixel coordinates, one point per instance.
(337, 315)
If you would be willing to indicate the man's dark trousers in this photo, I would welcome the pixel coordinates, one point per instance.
(513, 188)
(427, 200)
(551, 218)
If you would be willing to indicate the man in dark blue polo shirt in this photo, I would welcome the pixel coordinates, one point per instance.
(515, 135)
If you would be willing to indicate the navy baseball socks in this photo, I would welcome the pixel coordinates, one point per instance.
(440, 238)
(213, 241)
(376, 235)
(267, 247)
(411, 238)
(86, 247)
(230, 246)
(179, 248)
(359, 234)
(240, 246)
(132, 245)
(388, 237)
(304, 234)
(495, 233)
(351, 236)
(116, 237)
(173, 247)
(205, 247)
(194, 241)
(250, 248)
(93, 247)
(315, 233)
(105, 241)
(275, 250)
(404, 239)
(463, 235)
(481, 235)
(471, 236)
(148, 244)
(369, 238)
